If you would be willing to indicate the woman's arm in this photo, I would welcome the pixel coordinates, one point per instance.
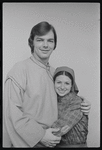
(68, 115)
(78, 134)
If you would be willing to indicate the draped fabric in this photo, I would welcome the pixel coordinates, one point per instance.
(78, 134)
(69, 113)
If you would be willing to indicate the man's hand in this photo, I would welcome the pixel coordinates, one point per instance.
(50, 140)
(85, 106)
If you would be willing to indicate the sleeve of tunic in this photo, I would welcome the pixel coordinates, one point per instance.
(23, 127)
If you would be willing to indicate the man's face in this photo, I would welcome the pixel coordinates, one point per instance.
(43, 46)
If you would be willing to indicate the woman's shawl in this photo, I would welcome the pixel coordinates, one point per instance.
(69, 113)
(78, 134)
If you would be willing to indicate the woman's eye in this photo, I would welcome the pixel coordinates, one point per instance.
(58, 82)
(67, 83)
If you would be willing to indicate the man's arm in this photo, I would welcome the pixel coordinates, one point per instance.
(21, 127)
(28, 130)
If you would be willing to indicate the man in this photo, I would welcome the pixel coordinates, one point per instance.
(30, 102)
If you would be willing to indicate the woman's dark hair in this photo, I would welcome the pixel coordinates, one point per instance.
(41, 29)
(63, 73)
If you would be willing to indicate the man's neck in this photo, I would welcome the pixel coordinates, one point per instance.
(43, 61)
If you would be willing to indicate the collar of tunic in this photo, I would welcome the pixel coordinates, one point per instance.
(46, 67)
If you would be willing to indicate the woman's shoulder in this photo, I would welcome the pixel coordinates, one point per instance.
(78, 98)
(74, 98)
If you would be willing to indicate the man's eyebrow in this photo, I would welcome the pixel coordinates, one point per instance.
(50, 39)
(43, 38)
(39, 38)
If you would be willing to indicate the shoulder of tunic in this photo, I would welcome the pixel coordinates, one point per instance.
(18, 74)
(52, 69)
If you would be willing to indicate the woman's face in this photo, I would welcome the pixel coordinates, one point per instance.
(63, 85)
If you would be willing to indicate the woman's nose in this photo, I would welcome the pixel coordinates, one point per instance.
(62, 86)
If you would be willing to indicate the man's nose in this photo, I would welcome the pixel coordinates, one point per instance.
(45, 44)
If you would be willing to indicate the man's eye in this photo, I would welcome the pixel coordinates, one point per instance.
(39, 40)
(51, 41)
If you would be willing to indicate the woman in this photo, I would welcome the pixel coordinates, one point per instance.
(69, 111)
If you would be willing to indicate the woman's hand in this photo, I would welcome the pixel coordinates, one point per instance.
(85, 106)
(50, 140)
(63, 130)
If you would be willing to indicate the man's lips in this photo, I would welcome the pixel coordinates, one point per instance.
(45, 51)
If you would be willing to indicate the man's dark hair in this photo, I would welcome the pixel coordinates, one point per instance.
(41, 29)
